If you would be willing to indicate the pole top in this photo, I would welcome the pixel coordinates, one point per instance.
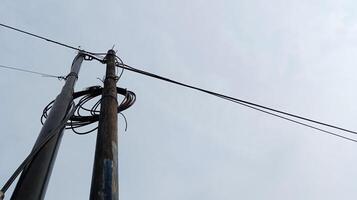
(111, 52)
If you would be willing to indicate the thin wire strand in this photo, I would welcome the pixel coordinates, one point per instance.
(32, 72)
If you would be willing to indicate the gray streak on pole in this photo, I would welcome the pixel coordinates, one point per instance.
(34, 179)
(105, 170)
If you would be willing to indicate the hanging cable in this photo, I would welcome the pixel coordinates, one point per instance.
(125, 120)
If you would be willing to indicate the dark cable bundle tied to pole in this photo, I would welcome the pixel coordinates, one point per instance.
(74, 120)
(78, 120)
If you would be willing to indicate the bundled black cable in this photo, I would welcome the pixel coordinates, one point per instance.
(79, 119)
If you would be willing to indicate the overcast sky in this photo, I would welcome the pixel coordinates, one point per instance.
(294, 55)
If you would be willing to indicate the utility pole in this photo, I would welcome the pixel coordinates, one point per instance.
(34, 179)
(105, 170)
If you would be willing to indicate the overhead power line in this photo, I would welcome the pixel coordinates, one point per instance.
(51, 41)
(40, 37)
(255, 106)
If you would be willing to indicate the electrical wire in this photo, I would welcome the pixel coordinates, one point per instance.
(40, 37)
(255, 106)
(32, 72)
(124, 66)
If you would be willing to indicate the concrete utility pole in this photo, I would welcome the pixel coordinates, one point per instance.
(105, 170)
(34, 179)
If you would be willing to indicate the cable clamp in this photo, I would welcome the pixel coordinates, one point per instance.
(61, 78)
(87, 57)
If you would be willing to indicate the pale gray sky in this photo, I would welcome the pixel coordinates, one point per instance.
(294, 55)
